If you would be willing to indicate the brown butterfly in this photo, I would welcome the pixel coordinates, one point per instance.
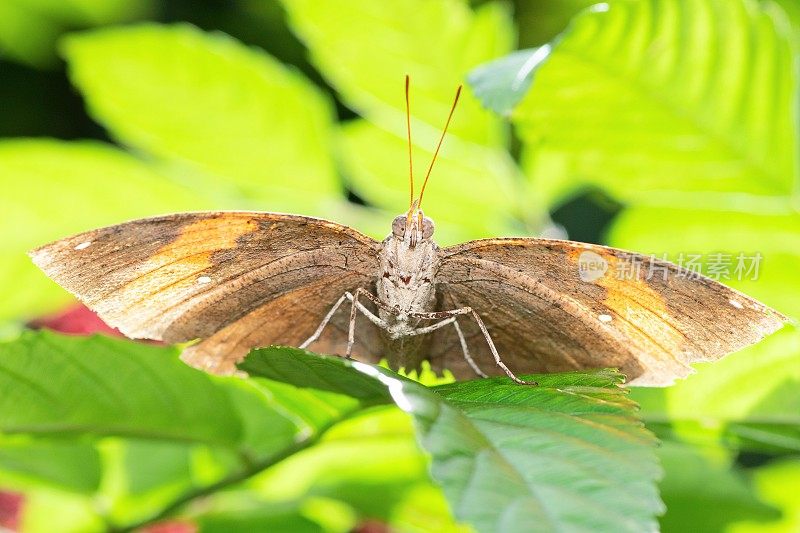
(238, 280)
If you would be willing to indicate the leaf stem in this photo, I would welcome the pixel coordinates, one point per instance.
(252, 468)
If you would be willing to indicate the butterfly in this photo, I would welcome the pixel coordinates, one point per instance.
(235, 280)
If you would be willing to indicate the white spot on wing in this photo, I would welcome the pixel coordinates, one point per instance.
(83, 245)
(736, 304)
(204, 279)
(605, 318)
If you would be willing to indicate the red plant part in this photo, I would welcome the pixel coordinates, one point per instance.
(76, 319)
(11, 504)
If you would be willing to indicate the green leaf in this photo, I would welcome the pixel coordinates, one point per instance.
(72, 465)
(364, 49)
(52, 389)
(471, 193)
(510, 457)
(29, 28)
(776, 484)
(89, 12)
(210, 104)
(502, 83)
(86, 389)
(52, 189)
(389, 463)
(264, 519)
(699, 480)
(656, 100)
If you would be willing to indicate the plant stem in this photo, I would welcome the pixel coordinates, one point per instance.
(251, 469)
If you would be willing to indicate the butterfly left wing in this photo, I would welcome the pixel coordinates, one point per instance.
(234, 279)
(545, 317)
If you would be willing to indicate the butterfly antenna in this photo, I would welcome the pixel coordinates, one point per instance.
(435, 153)
(410, 162)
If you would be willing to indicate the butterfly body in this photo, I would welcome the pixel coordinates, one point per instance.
(405, 286)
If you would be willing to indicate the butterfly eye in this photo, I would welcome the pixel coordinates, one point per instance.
(399, 226)
(427, 228)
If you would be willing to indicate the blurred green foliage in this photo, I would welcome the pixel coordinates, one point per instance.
(148, 434)
(682, 114)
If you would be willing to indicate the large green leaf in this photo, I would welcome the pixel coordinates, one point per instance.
(568, 454)
(52, 189)
(653, 100)
(209, 103)
(50, 388)
(86, 389)
(364, 49)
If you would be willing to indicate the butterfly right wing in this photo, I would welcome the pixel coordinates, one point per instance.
(650, 321)
(237, 280)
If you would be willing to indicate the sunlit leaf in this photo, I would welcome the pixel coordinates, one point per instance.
(365, 48)
(463, 197)
(654, 100)
(502, 83)
(474, 186)
(77, 186)
(776, 484)
(46, 511)
(511, 458)
(213, 105)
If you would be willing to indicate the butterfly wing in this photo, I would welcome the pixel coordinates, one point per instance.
(552, 305)
(234, 279)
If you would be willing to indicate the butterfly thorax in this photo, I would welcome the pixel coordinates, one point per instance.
(408, 262)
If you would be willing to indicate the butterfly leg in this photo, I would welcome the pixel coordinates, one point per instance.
(351, 332)
(464, 348)
(489, 341)
(346, 296)
(324, 322)
(465, 351)
(434, 327)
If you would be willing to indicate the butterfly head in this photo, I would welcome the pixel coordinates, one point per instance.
(409, 260)
(412, 227)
